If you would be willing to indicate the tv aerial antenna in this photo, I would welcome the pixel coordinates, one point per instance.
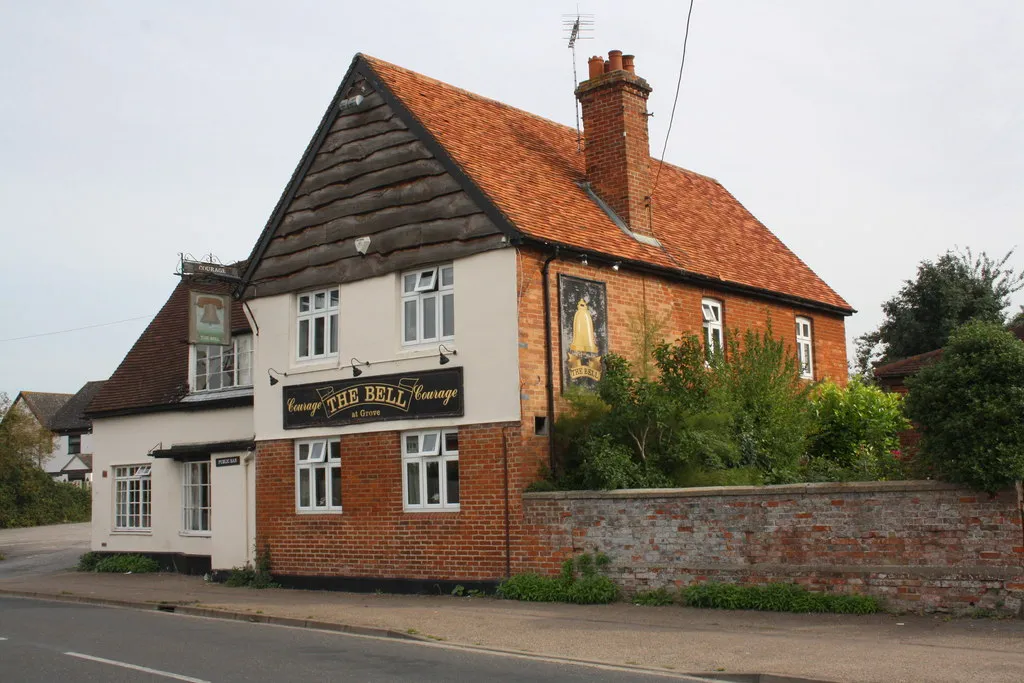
(577, 27)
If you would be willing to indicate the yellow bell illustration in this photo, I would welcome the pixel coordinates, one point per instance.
(583, 339)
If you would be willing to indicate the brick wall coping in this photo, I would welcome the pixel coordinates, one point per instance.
(767, 491)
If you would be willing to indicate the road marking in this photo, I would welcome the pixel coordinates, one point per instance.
(146, 669)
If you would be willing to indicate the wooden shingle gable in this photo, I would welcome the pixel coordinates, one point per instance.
(371, 170)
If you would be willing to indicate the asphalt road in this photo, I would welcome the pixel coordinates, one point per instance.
(43, 641)
(42, 549)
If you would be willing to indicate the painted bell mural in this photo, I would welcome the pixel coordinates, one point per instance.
(583, 312)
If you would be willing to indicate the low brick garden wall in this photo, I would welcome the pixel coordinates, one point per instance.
(919, 545)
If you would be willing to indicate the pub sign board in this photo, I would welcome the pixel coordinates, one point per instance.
(209, 318)
(583, 314)
(403, 396)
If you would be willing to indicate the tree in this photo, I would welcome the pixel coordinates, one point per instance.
(956, 288)
(28, 495)
(970, 408)
(22, 438)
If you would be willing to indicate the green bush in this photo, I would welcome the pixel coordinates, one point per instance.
(856, 434)
(88, 561)
(125, 563)
(250, 576)
(776, 597)
(658, 597)
(579, 583)
(969, 405)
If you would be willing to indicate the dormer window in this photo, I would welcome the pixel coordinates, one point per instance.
(222, 367)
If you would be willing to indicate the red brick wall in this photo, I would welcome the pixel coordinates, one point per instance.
(918, 545)
(676, 303)
(373, 537)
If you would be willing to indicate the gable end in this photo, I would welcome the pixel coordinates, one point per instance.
(373, 171)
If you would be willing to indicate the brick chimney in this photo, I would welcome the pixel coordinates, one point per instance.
(614, 102)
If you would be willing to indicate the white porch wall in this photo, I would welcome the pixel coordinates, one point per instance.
(126, 440)
(486, 337)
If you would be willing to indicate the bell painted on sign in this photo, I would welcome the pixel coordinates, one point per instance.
(583, 338)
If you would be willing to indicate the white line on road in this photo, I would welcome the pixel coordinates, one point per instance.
(136, 667)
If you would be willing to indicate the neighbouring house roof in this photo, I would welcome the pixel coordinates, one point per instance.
(905, 367)
(154, 374)
(531, 170)
(78, 463)
(44, 406)
(71, 417)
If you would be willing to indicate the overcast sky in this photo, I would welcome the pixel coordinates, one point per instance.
(868, 135)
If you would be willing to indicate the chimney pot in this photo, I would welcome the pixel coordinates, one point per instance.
(627, 63)
(615, 60)
(607, 66)
(596, 65)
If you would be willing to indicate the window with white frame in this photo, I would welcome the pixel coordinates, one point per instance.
(317, 324)
(804, 348)
(318, 475)
(711, 310)
(428, 305)
(195, 497)
(430, 469)
(74, 444)
(133, 497)
(222, 367)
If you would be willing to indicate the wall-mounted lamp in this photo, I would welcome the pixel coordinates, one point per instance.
(583, 259)
(443, 359)
(355, 366)
(274, 380)
(616, 265)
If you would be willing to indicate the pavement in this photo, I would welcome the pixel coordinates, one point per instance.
(883, 647)
(40, 550)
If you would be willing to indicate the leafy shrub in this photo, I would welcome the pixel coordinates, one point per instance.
(856, 436)
(658, 597)
(250, 576)
(126, 563)
(969, 405)
(744, 411)
(776, 597)
(88, 561)
(587, 588)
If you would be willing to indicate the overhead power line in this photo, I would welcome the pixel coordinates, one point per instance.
(76, 329)
(675, 100)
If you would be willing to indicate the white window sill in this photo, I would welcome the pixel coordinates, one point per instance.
(132, 532)
(195, 534)
(214, 394)
(301, 365)
(418, 511)
(318, 512)
(425, 348)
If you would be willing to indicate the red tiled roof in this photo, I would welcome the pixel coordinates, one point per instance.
(529, 167)
(907, 366)
(155, 371)
(910, 365)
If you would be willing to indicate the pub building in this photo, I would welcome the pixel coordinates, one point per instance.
(439, 271)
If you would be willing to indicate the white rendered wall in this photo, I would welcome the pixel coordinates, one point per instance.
(486, 337)
(126, 440)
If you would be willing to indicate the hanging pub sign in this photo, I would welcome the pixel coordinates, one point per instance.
(583, 312)
(434, 393)
(209, 318)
